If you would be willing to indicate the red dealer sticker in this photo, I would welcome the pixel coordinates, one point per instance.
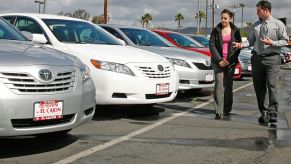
(162, 89)
(48, 110)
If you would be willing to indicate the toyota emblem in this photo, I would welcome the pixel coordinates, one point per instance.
(45, 75)
(160, 68)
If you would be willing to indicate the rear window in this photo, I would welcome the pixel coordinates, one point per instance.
(144, 38)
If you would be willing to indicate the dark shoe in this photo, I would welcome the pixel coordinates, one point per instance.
(218, 116)
(264, 119)
(226, 114)
(272, 117)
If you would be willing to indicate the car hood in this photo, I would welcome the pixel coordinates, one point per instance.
(20, 53)
(173, 52)
(114, 53)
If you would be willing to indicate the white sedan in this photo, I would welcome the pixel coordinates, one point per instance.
(122, 74)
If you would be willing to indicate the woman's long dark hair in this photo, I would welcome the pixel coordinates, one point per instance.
(225, 11)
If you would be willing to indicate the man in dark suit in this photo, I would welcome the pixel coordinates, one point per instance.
(267, 35)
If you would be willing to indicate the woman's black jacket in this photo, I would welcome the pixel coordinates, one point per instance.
(215, 45)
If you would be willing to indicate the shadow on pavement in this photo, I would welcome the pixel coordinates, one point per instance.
(135, 112)
(29, 145)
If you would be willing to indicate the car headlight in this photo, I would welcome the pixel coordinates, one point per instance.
(179, 62)
(110, 66)
(85, 73)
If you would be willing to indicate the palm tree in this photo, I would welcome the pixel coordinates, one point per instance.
(145, 19)
(179, 17)
(142, 21)
(200, 15)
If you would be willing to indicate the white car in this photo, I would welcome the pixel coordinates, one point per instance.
(194, 69)
(121, 74)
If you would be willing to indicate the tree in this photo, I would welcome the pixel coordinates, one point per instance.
(80, 13)
(98, 19)
(142, 21)
(145, 19)
(178, 18)
(249, 24)
(200, 15)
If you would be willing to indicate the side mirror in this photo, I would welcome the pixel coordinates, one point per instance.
(122, 42)
(27, 35)
(39, 38)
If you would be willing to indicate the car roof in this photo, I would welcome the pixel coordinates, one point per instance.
(41, 16)
(164, 31)
(120, 26)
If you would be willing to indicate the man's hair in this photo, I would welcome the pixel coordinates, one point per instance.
(229, 13)
(264, 5)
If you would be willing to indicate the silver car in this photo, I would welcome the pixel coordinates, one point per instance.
(194, 69)
(42, 90)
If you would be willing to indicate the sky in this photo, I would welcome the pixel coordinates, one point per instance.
(129, 12)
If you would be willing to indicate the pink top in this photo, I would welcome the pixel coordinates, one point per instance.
(225, 44)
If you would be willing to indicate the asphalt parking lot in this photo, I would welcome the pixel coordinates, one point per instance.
(182, 131)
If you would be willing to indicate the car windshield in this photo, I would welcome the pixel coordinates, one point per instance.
(70, 31)
(142, 37)
(184, 41)
(204, 41)
(8, 32)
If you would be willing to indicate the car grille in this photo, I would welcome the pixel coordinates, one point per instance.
(24, 83)
(202, 66)
(152, 73)
(25, 123)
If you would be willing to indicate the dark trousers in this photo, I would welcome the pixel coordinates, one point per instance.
(265, 72)
(223, 95)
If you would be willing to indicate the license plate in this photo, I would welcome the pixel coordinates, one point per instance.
(236, 71)
(162, 89)
(48, 110)
(249, 68)
(209, 77)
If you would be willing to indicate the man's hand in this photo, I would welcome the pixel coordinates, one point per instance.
(237, 45)
(223, 63)
(267, 41)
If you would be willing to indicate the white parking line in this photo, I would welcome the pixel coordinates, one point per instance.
(135, 133)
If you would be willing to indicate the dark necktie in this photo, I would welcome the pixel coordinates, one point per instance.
(262, 35)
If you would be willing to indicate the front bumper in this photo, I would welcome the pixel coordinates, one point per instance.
(17, 110)
(190, 78)
(117, 88)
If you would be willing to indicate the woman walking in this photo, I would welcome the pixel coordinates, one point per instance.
(224, 59)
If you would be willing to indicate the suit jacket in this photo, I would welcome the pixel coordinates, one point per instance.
(215, 45)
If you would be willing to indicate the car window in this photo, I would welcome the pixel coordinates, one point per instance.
(10, 19)
(113, 32)
(72, 31)
(182, 41)
(8, 32)
(204, 41)
(144, 38)
(27, 24)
